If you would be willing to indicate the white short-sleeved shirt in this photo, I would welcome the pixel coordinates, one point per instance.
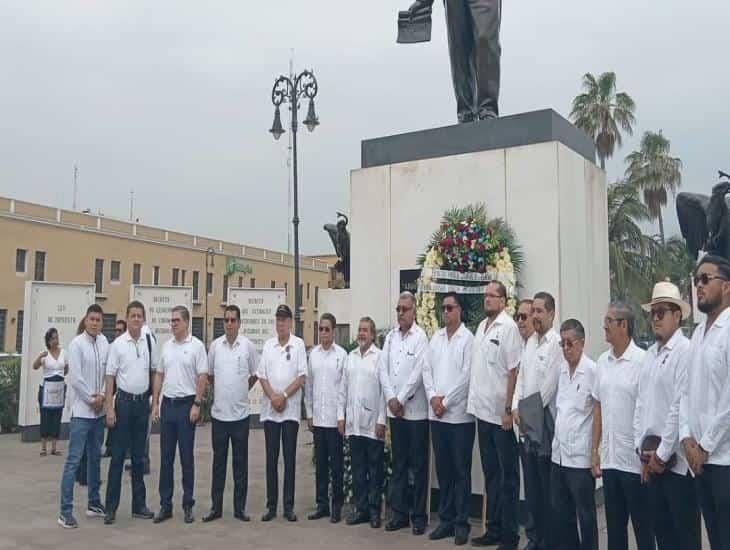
(616, 387)
(324, 376)
(129, 361)
(231, 366)
(54, 367)
(181, 363)
(280, 365)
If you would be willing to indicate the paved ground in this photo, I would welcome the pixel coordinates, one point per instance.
(29, 494)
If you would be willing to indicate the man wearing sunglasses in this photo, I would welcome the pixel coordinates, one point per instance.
(446, 377)
(615, 391)
(400, 369)
(675, 514)
(324, 375)
(704, 427)
(282, 373)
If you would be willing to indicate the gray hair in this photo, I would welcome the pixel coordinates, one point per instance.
(624, 312)
(576, 326)
(369, 321)
(407, 295)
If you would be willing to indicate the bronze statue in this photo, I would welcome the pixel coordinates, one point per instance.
(340, 237)
(705, 221)
(474, 49)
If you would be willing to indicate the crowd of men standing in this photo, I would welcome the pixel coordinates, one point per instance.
(654, 425)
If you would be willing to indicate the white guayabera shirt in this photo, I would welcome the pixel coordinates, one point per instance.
(280, 365)
(361, 402)
(231, 366)
(87, 357)
(324, 375)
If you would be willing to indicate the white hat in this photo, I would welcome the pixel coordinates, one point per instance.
(668, 292)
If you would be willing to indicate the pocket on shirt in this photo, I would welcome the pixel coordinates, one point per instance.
(579, 444)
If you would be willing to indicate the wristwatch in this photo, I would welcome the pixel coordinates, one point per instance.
(197, 403)
(507, 409)
(286, 395)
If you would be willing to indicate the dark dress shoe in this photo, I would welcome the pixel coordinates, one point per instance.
(241, 515)
(487, 539)
(319, 514)
(461, 539)
(189, 518)
(110, 518)
(419, 529)
(441, 532)
(375, 523)
(336, 516)
(532, 545)
(162, 515)
(290, 515)
(212, 516)
(355, 519)
(508, 545)
(394, 524)
(269, 515)
(143, 513)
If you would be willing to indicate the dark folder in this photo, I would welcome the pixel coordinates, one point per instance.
(414, 25)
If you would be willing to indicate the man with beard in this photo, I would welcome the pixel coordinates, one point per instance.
(705, 409)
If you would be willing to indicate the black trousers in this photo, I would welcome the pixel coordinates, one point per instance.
(410, 452)
(328, 459)
(501, 468)
(367, 457)
(176, 431)
(626, 497)
(235, 432)
(452, 449)
(130, 433)
(537, 472)
(713, 487)
(675, 512)
(573, 494)
(530, 525)
(474, 49)
(278, 435)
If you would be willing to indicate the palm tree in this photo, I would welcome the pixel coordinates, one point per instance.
(603, 113)
(653, 171)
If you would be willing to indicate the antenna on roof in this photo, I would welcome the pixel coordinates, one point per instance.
(76, 186)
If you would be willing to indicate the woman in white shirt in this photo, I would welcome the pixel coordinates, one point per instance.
(51, 392)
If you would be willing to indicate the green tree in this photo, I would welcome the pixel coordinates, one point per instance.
(653, 171)
(603, 113)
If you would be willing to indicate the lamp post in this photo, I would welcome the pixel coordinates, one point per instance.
(209, 256)
(292, 90)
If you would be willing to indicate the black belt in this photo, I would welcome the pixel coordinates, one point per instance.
(125, 396)
(179, 400)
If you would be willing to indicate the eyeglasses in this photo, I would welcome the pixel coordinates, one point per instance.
(658, 313)
(705, 279)
(230, 320)
(448, 308)
(521, 317)
(609, 320)
(403, 309)
(324, 329)
(568, 344)
(174, 321)
(491, 295)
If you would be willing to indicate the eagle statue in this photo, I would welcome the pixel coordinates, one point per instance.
(705, 221)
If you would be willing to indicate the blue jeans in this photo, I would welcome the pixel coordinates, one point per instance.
(89, 433)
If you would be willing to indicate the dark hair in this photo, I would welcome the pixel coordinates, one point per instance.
(547, 298)
(82, 326)
(121, 322)
(574, 325)
(723, 265)
(525, 301)
(625, 313)
(328, 317)
(372, 324)
(235, 309)
(136, 304)
(500, 286)
(457, 299)
(183, 311)
(50, 333)
(94, 308)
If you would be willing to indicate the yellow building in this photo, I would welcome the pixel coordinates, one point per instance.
(51, 244)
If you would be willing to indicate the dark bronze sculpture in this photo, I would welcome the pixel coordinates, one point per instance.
(705, 221)
(474, 49)
(340, 237)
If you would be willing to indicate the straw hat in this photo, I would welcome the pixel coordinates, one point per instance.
(668, 292)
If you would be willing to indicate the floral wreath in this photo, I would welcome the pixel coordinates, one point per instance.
(466, 252)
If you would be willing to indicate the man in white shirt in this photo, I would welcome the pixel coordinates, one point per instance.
(496, 355)
(572, 483)
(232, 365)
(674, 510)
(614, 391)
(400, 369)
(87, 355)
(537, 382)
(361, 417)
(282, 373)
(181, 377)
(130, 364)
(446, 374)
(705, 410)
(324, 375)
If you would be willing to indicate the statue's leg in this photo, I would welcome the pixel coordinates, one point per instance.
(461, 52)
(487, 17)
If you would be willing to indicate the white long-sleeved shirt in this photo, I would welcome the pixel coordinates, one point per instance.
(324, 375)
(280, 365)
(616, 388)
(231, 367)
(87, 357)
(496, 352)
(400, 370)
(539, 369)
(447, 371)
(705, 412)
(574, 415)
(361, 402)
(662, 383)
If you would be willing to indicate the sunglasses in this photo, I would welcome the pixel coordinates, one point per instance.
(403, 309)
(569, 344)
(658, 313)
(705, 279)
(325, 329)
(521, 317)
(448, 308)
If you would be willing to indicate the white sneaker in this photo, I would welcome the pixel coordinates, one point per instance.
(67, 522)
(95, 511)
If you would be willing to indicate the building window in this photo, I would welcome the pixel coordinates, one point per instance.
(315, 339)
(209, 283)
(40, 266)
(301, 295)
(316, 297)
(240, 282)
(136, 274)
(156, 275)
(20, 259)
(182, 277)
(175, 276)
(307, 291)
(196, 283)
(253, 283)
(197, 327)
(225, 288)
(3, 320)
(116, 269)
(218, 329)
(109, 321)
(286, 289)
(99, 275)
(273, 284)
(19, 333)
